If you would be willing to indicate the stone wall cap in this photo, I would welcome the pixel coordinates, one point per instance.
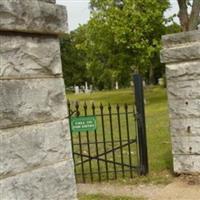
(32, 16)
(172, 40)
(181, 53)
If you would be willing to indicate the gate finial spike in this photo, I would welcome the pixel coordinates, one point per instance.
(126, 106)
(68, 102)
(93, 106)
(101, 106)
(85, 104)
(77, 104)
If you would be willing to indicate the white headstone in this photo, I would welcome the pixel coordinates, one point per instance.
(86, 88)
(161, 81)
(91, 88)
(76, 88)
(116, 85)
(131, 83)
(144, 83)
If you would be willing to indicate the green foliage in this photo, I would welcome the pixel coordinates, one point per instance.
(73, 58)
(123, 37)
(173, 28)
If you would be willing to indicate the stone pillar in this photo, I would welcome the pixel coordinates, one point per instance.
(181, 53)
(35, 147)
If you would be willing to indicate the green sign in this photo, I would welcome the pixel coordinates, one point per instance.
(81, 124)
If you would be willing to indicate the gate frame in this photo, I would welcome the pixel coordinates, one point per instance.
(141, 140)
(141, 124)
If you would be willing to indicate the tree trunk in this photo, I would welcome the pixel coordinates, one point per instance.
(183, 15)
(189, 23)
(151, 75)
(193, 22)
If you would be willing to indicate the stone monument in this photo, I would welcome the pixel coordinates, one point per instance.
(181, 53)
(35, 147)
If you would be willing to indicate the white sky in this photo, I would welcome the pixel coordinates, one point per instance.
(78, 11)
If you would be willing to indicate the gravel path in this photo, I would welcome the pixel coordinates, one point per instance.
(148, 191)
(180, 189)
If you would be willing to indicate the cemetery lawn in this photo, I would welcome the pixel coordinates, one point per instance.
(159, 146)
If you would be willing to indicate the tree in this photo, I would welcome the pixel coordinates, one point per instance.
(73, 58)
(189, 21)
(123, 36)
(173, 28)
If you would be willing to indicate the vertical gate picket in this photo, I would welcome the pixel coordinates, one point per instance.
(112, 139)
(120, 139)
(104, 140)
(80, 147)
(128, 138)
(96, 146)
(88, 145)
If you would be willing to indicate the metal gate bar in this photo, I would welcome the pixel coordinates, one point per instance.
(140, 110)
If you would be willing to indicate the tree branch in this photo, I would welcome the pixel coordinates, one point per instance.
(183, 14)
(193, 21)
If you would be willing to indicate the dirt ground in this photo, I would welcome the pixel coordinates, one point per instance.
(182, 188)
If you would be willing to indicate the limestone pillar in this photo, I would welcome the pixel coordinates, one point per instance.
(35, 148)
(181, 53)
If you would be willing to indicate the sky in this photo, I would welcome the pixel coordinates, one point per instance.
(78, 11)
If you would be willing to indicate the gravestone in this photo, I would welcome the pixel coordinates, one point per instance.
(116, 85)
(161, 81)
(86, 88)
(181, 53)
(35, 146)
(76, 88)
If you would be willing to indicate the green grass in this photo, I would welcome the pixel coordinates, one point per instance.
(112, 97)
(159, 147)
(100, 197)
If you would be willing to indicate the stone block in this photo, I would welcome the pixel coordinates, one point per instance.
(181, 53)
(182, 109)
(32, 16)
(29, 56)
(179, 39)
(186, 145)
(31, 101)
(186, 163)
(185, 127)
(28, 147)
(183, 71)
(55, 182)
(183, 90)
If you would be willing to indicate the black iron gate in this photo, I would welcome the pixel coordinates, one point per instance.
(117, 147)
